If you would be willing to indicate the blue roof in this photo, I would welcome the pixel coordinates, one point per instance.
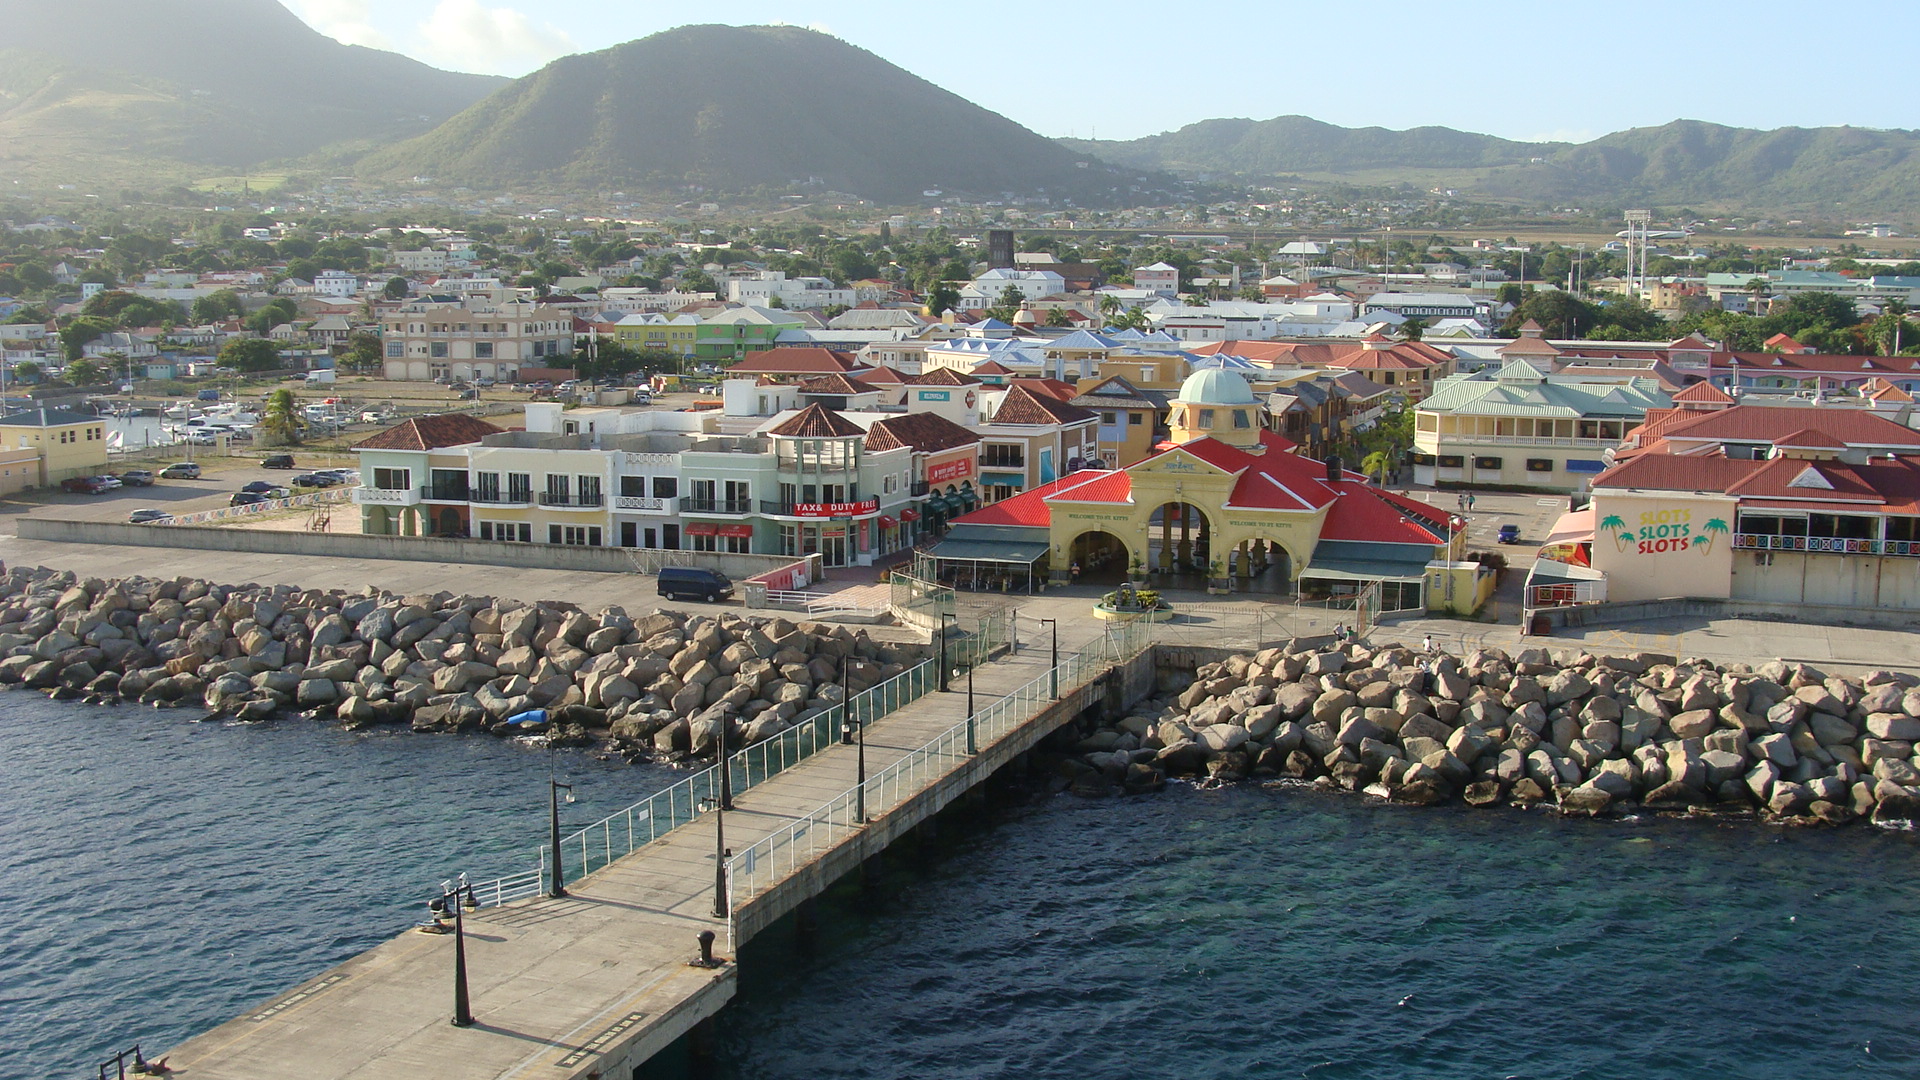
(1082, 339)
(993, 324)
(1222, 361)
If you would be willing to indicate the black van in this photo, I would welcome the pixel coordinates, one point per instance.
(694, 583)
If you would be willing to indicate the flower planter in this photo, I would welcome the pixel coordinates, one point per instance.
(1111, 614)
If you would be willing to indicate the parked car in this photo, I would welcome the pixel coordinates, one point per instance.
(181, 470)
(1509, 534)
(278, 461)
(207, 395)
(246, 498)
(693, 582)
(85, 485)
(344, 476)
(147, 516)
(316, 480)
(259, 487)
(483, 381)
(137, 478)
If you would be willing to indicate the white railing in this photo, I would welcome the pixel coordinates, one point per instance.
(771, 860)
(386, 496)
(635, 502)
(510, 888)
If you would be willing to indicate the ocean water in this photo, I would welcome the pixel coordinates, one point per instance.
(158, 876)
(1269, 932)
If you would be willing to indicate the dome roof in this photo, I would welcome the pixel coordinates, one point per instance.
(1215, 386)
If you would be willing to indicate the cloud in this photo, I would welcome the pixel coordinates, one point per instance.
(349, 22)
(470, 36)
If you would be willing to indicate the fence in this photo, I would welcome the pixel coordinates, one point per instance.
(234, 513)
(919, 602)
(767, 862)
(622, 833)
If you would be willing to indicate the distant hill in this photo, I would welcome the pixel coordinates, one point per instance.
(1851, 171)
(742, 108)
(204, 83)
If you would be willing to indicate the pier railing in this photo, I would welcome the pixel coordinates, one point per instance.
(624, 832)
(770, 860)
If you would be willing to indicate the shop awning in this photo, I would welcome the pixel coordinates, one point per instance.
(1349, 570)
(1018, 480)
(736, 530)
(989, 551)
(702, 528)
(887, 522)
(1574, 527)
(909, 514)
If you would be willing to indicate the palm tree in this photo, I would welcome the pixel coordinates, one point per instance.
(281, 422)
(1110, 308)
(1612, 522)
(1377, 464)
(1715, 528)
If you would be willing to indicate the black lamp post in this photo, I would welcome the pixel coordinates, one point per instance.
(455, 899)
(720, 854)
(1055, 671)
(558, 890)
(944, 616)
(973, 746)
(854, 731)
(720, 726)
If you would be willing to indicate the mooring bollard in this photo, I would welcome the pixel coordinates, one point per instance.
(706, 959)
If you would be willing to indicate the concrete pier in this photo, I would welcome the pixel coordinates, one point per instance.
(593, 985)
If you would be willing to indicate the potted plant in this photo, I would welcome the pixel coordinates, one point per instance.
(1217, 582)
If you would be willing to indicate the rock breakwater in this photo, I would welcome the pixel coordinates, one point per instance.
(658, 685)
(1584, 733)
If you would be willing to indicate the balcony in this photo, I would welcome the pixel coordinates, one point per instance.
(449, 493)
(643, 504)
(1825, 545)
(783, 508)
(496, 498)
(695, 504)
(1003, 463)
(562, 501)
(366, 496)
(919, 489)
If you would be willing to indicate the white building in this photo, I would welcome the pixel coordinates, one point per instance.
(335, 283)
(477, 339)
(424, 261)
(985, 291)
(1158, 278)
(764, 286)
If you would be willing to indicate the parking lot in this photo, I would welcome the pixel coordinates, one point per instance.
(220, 478)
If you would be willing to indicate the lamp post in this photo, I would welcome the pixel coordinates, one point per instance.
(720, 726)
(455, 899)
(973, 746)
(558, 889)
(855, 732)
(1055, 671)
(720, 854)
(944, 616)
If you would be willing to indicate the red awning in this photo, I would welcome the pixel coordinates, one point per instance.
(701, 528)
(736, 530)
(909, 514)
(887, 522)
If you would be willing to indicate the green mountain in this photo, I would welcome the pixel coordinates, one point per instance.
(1843, 170)
(725, 108)
(186, 85)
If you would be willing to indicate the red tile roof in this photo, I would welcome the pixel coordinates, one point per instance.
(1050, 387)
(1024, 406)
(925, 432)
(817, 422)
(1363, 512)
(1111, 487)
(941, 376)
(1770, 423)
(1705, 394)
(430, 433)
(837, 384)
(1028, 508)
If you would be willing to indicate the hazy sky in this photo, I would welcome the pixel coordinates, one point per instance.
(1546, 69)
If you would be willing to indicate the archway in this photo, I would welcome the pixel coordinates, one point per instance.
(1102, 558)
(1179, 541)
(1260, 566)
(451, 523)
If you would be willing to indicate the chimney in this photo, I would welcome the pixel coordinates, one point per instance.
(1334, 472)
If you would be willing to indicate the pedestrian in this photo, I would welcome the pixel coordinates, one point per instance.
(1462, 500)
(1074, 572)
(1469, 501)
(1428, 644)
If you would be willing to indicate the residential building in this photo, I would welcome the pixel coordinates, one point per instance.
(336, 283)
(987, 290)
(1032, 439)
(677, 334)
(1129, 426)
(414, 479)
(729, 335)
(1521, 427)
(1426, 305)
(787, 364)
(764, 287)
(68, 444)
(1159, 278)
(1410, 368)
(476, 339)
(424, 261)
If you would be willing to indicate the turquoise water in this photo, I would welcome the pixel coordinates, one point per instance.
(157, 877)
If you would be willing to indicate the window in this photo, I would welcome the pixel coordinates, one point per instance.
(1539, 464)
(1133, 419)
(1240, 419)
(1110, 418)
(486, 487)
(589, 488)
(666, 487)
(574, 535)
(483, 350)
(1450, 461)
(513, 532)
(633, 487)
(396, 350)
(1206, 418)
(437, 350)
(519, 487)
(1491, 463)
(393, 479)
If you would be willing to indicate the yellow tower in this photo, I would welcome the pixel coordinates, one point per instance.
(1218, 403)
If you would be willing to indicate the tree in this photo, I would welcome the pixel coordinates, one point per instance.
(364, 354)
(75, 335)
(281, 422)
(1377, 465)
(396, 288)
(1058, 317)
(128, 310)
(1009, 304)
(941, 299)
(250, 354)
(84, 371)
(698, 281)
(277, 312)
(28, 371)
(217, 306)
(1414, 328)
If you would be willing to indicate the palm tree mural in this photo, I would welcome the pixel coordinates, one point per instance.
(1715, 528)
(1612, 522)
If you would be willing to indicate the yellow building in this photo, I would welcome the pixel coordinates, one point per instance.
(70, 443)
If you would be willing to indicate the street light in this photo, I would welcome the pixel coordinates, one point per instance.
(455, 899)
(854, 731)
(558, 889)
(944, 616)
(1055, 671)
(973, 746)
(720, 853)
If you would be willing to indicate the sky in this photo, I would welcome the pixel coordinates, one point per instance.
(1121, 69)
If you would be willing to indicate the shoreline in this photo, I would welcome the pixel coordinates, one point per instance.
(1578, 734)
(665, 686)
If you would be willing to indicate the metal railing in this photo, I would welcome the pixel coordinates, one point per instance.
(697, 504)
(772, 859)
(564, 500)
(622, 833)
(641, 502)
(1832, 545)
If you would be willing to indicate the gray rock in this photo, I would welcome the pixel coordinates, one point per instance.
(1895, 726)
